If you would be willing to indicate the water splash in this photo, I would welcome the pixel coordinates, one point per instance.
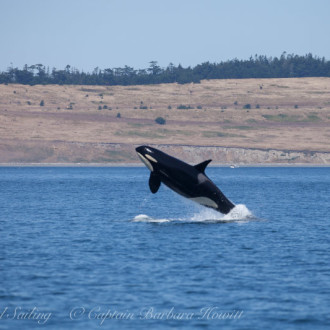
(239, 213)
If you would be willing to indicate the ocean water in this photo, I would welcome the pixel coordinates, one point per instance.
(93, 248)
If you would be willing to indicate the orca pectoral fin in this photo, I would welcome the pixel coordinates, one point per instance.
(202, 166)
(154, 182)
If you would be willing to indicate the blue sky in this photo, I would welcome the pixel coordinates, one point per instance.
(114, 33)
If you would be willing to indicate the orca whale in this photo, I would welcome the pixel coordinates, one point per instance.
(187, 180)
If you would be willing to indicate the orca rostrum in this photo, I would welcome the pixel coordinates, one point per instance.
(187, 180)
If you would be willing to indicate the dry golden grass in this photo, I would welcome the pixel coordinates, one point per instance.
(291, 114)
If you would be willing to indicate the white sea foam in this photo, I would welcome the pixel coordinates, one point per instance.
(146, 218)
(239, 213)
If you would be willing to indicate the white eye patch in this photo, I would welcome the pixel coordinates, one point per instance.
(151, 158)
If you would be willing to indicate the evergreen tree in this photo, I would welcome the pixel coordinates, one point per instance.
(285, 66)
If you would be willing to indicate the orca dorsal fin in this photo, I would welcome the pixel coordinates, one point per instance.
(154, 182)
(202, 166)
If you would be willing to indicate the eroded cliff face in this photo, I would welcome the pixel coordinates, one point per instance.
(225, 155)
(115, 153)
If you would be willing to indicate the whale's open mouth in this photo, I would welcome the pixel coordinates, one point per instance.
(145, 161)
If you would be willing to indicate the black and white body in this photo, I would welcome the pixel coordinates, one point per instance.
(187, 180)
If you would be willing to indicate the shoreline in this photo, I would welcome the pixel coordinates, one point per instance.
(2, 165)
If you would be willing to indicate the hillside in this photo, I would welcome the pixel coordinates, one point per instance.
(243, 121)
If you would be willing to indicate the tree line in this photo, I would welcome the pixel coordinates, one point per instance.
(285, 66)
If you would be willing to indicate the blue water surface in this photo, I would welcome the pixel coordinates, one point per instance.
(93, 248)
